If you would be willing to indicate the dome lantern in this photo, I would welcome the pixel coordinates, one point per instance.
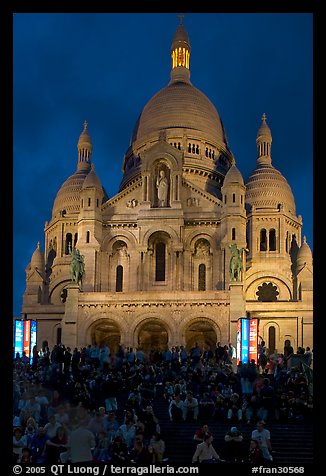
(180, 54)
(264, 143)
(85, 148)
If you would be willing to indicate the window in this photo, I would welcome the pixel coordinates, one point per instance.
(119, 279)
(233, 197)
(87, 236)
(263, 240)
(233, 234)
(272, 240)
(59, 334)
(202, 277)
(271, 339)
(267, 292)
(89, 201)
(160, 262)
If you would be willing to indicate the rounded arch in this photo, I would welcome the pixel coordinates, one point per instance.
(152, 333)
(288, 337)
(105, 331)
(124, 236)
(167, 319)
(266, 332)
(194, 237)
(167, 231)
(56, 291)
(57, 333)
(202, 330)
(151, 157)
(259, 279)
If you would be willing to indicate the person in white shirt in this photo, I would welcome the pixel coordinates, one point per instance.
(205, 452)
(81, 443)
(263, 436)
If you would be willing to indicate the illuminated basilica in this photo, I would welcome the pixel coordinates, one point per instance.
(158, 254)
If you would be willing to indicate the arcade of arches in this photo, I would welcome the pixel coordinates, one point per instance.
(153, 334)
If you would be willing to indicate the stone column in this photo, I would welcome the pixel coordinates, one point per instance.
(237, 308)
(70, 319)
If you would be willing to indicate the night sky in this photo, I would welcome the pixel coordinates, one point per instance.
(104, 67)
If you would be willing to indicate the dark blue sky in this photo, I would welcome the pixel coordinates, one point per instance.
(105, 67)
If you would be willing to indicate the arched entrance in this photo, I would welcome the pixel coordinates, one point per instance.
(152, 335)
(106, 332)
(201, 332)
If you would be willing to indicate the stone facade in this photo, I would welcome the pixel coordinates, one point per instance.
(157, 255)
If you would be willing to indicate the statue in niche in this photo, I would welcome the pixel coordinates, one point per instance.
(162, 186)
(202, 248)
(122, 251)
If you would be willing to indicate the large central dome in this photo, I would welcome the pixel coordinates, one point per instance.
(180, 105)
(185, 118)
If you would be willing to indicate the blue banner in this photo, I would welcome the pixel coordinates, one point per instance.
(19, 337)
(244, 341)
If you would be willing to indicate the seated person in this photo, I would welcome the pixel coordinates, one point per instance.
(156, 448)
(220, 409)
(118, 451)
(234, 407)
(176, 408)
(206, 406)
(190, 407)
(255, 455)
(233, 449)
(140, 455)
(201, 432)
(205, 452)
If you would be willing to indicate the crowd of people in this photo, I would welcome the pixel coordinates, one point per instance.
(93, 405)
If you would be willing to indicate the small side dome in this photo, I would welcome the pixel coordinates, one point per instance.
(304, 256)
(92, 180)
(68, 197)
(233, 176)
(37, 261)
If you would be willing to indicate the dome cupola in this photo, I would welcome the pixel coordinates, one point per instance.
(67, 199)
(233, 176)
(37, 260)
(266, 188)
(304, 256)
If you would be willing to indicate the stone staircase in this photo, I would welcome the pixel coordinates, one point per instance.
(292, 442)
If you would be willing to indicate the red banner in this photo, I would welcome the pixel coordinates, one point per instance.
(253, 340)
(27, 337)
